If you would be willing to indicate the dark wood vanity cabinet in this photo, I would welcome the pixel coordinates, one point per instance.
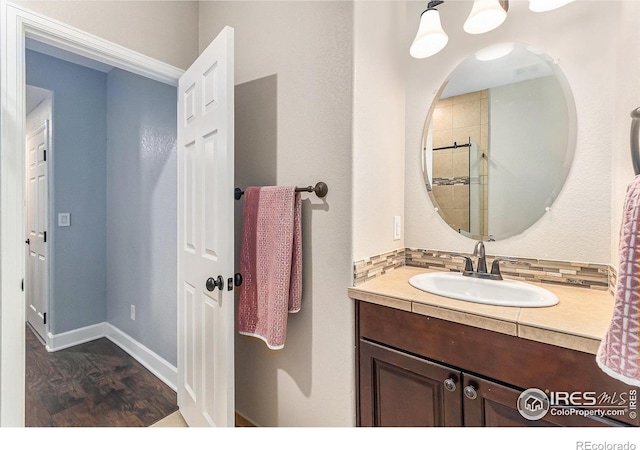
(398, 389)
(417, 371)
(495, 406)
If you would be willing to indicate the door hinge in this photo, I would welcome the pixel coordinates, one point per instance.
(45, 155)
(45, 318)
(22, 285)
(45, 236)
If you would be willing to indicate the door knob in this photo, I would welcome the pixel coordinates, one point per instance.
(215, 283)
(28, 242)
(235, 281)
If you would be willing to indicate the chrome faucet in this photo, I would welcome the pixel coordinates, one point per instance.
(482, 260)
(481, 267)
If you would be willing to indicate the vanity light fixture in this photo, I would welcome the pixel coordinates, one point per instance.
(430, 38)
(547, 5)
(485, 15)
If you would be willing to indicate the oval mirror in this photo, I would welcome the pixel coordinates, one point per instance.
(499, 141)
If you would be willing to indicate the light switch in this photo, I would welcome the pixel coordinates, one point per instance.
(64, 219)
(397, 227)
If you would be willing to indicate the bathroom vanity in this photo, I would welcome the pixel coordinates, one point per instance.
(497, 146)
(426, 360)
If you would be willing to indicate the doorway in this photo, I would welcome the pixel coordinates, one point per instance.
(216, 90)
(111, 231)
(18, 23)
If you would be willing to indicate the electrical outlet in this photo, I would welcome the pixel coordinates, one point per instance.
(133, 312)
(397, 228)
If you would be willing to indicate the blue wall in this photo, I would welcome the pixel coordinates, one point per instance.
(79, 186)
(141, 210)
(114, 143)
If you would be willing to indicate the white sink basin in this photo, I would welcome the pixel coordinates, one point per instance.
(491, 292)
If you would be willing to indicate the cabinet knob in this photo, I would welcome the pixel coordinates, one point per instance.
(450, 384)
(470, 393)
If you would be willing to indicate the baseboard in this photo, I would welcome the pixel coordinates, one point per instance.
(242, 421)
(76, 337)
(156, 364)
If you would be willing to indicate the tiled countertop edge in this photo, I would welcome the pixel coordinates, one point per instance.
(512, 328)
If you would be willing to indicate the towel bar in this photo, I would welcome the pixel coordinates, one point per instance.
(635, 140)
(320, 190)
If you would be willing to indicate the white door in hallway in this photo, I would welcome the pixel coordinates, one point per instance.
(37, 201)
(205, 237)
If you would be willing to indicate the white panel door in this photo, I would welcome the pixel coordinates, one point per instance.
(37, 201)
(205, 237)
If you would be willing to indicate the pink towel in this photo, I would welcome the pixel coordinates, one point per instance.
(619, 351)
(270, 263)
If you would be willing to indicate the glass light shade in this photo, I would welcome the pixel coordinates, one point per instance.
(547, 5)
(486, 15)
(430, 38)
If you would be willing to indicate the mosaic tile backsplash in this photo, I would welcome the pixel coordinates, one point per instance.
(613, 278)
(370, 268)
(586, 275)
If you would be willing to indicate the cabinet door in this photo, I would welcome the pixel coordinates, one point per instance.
(489, 404)
(398, 389)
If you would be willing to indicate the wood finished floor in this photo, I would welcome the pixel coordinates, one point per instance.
(95, 384)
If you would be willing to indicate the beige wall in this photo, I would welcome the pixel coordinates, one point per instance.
(627, 98)
(378, 126)
(578, 227)
(308, 47)
(165, 30)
